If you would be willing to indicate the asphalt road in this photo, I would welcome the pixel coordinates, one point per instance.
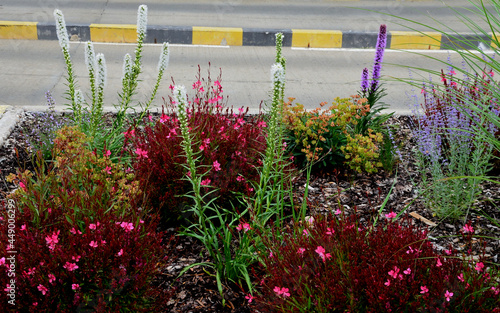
(306, 14)
(30, 68)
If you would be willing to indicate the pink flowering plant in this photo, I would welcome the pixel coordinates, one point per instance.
(227, 146)
(341, 265)
(82, 244)
(106, 266)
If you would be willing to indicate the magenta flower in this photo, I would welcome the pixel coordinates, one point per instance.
(127, 226)
(424, 289)
(321, 251)
(387, 283)
(390, 215)
(337, 212)
(217, 166)
(461, 277)
(448, 295)
(120, 253)
(93, 244)
(245, 227)
(74, 231)
(70, 266)
(249, 297)
(23, 227)
(107, 153)
(2, 261)
(75, 287)
(282, 291)
(438, 264)
(94, 226)
(52, 240)
(206, 182)
(330, 231)
(479, 267)
(141, 153)
(51, 278)
(301, 251)
(108, 169)
(408, 271)
(394, 273)
(468, 228)
(43, 289)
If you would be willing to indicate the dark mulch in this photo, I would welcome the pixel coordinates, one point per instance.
(362, 194)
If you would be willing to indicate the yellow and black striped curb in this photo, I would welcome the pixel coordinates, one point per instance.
(233, 36)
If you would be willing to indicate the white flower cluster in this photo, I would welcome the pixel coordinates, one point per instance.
(101, 68)
(181, 97)
(142, 20)
(164, 58)
(90, 61)
(277, 73)
(62, 33)
(127, 66)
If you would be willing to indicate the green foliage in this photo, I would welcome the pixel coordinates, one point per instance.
(81, 181)
(326, 137)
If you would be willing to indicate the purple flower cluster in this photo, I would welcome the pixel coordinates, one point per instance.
(379, 56)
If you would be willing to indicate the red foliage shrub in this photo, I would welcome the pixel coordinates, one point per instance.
(228, 147)
(106, 267)
(333, 265)
(80, 243)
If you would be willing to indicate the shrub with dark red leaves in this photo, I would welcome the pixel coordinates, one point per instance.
(80, 244)
(336, 265)
(228, 147)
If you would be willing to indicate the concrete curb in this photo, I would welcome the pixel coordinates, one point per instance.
(301, 38)
(9, 117)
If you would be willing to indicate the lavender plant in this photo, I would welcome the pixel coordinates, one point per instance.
(42, 135)
(447, 147)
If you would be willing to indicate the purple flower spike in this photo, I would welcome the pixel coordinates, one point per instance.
(379, 56)
(364, 81)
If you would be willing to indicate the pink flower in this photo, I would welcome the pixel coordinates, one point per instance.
(301, 251)
(164, 118)
(107, 153)
(217, 166)
(240, 179)
(448, 252)
(22, 185)
(76, 258)
(448, 295)
(120, 253)
(206, 182)
(74, 231)
(424, 289)
(496, 290)
(75, 287)
(479, 267)
(387, 283)
(321, 251)
(461, 277)
(282, 291)
(452, 72)
(261, 124)
(127, 226)
(2, 261)
(438, 264)
(468, 228)
(390, 215)
(130, 133)
(305, 232)
(338, 212)
(408, 271)
(108, 169)
(43, 289)
(141, 153)
(23, 227)
(249, 297)
(394, 273)
(51, 278)
(245, 227)
(330, 231)
(52, 240)
(70, 266)
(93, 244)
(93, 226)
